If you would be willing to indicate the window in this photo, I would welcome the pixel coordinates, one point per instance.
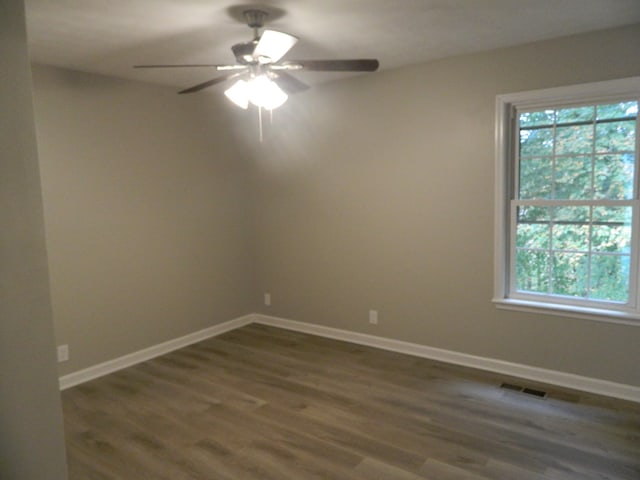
(567, 200)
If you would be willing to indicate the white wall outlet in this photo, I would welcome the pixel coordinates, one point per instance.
(373, 317)
(63, 353)
(267, 299)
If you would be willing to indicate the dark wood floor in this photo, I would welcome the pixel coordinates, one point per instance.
(264, 403)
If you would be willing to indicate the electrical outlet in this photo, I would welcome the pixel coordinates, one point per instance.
(267, 299)
(63, 353)
(373, 317)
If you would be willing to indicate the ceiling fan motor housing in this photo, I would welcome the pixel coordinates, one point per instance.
(255, 18)
(244, 52)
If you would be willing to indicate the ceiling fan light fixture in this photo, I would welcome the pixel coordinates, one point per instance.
(239, 94)
(265, 93)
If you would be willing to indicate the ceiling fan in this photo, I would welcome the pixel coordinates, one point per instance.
(262, 76)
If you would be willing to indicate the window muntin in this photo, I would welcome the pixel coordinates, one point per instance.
(573, 204)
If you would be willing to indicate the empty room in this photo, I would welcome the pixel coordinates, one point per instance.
(320, 240)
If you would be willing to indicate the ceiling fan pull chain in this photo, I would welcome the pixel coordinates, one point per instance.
(260, 123)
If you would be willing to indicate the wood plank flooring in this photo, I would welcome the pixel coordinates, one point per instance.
(265, 403)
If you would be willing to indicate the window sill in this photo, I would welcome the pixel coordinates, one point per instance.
(595, 314)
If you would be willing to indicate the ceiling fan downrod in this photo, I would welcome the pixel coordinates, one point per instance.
(255, 19)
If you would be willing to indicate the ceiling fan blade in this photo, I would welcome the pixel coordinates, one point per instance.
(274, 45)
(354, 65)
(197, 65)
(290, 84)
(208, 83)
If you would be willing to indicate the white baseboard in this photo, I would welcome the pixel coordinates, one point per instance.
(552, 377)
(110, 366)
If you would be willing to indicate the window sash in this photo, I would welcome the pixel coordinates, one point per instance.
(631, 302)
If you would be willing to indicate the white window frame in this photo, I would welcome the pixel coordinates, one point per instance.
(505, 145)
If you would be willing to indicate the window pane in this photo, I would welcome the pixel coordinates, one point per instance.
(616, 136)
(571, 214)
(576, 139)
(535, 178)
(611, 238)
(532, 119)
(612, 214)
(610, 277)
(572, 178)
(533, 235)
(617, 110)
(611, 231)
(580, 114)
(528, 213)
(536, 142)
(532, 271)
(571, 237)
(571, 229)
(613, 176)
(570, 274)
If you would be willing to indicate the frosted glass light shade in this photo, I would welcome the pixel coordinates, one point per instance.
(265, 93)
(261, 91)
(239, 93)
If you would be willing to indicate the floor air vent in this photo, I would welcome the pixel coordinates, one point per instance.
(511, 386)
(534, 392)
(526, 390)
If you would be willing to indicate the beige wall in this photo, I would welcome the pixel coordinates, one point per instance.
(377, 193)
(31, 436)
(146, 214)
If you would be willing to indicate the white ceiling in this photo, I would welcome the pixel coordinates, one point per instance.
(109, 36)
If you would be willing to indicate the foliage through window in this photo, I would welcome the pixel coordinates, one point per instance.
(570, 216)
